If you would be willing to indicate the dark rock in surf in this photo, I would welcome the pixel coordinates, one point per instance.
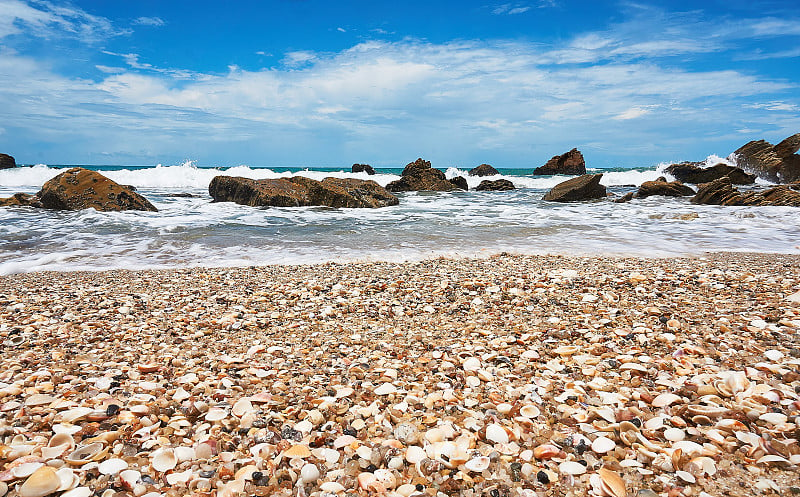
(79, 188)
(483, 170)
(362, 168)
(663, 188)
(779, 163)
(420, 176)
(7, 162)
(722, 192)
(570, 163)
(691, 172)
(460, 182)
(586, 187)
(299, 192)
(500, 185)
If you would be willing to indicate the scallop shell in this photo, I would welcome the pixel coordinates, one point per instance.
(163, 459)
(477, 464)
(297, 451)
(42, 482)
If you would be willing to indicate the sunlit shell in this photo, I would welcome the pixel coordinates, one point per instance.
(86, 453)
(477, 464)
(25, 470)
(496, 433)
(216, 414)
(130, 477)
(69, 479)
(704, 465)
(665, 399)
(471, 364)
(241, 407)
(601, 445)
(386, 478)
(434, 435)
(773, 460)
(112, 466)
(529, 411)
(686, 476)
(566, 350)
(386, 389)
(415, 454)
(774, 355)
(39, 399)
(42, 482)
(298, 451)
(571, 468)
(185, 453)
(332, 487)
(614, 484)
(180, 477)
(546, 451)
(163, 460)
(773, 418)
(309, 473)
(78, 492)
(674, 434)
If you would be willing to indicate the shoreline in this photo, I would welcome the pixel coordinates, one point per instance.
(524, 375)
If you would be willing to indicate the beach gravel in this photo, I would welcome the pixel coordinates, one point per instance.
(504, 376)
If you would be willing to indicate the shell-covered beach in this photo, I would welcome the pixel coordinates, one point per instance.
(504, 376)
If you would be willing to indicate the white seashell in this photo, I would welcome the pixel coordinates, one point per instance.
(386, 478)
(406, 489)
(74, 414)
(309, 473)
(471, 364)
(26, 469)
(504, 408)
(386, 389)
(364, 452)
(182, 477)
(78, 492)
(130, 477)
(343, 441)
(434, 435)
(772, 459)
(654, 423)
(689, 448)
(216, 414)
(415, 454)
(674, 434)
(163, 460)
(529, 411)
(477, 464)
(332, 487)
(496, 434)
(665, 399)
(571, 468)
(601, 445)
(112, 466)
(184, 453)
(773, 418)
(242, 407)
(180, 395)
(69, 479)
(773, 355)
(686, 476)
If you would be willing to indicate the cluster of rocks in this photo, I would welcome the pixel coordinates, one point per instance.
(571, 163)
(776, 163)
(420, 176)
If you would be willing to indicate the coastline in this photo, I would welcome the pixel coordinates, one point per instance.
(451, 356)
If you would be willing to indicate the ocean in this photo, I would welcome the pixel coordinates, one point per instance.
(190, 230)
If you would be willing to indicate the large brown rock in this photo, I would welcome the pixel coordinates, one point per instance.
(500, 185)
(460, 182)
(420, 176)
(7, 162)
(691, 172)
(300, 192)
(586, 187)
(664, 189)
(722, 192)
(571, 163)
(483, 170)
(21, 200)
(779, 163)
(80, 188)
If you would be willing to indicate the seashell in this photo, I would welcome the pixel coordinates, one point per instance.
(386, 389)
(130, 477)
(689, 448)
(78, 492)
(711, 412)
(112, 466)
(566, 350)
(343, 441)
(496, 433)
(736, 381)
(704, 465)
(686, 476)
(309, 473)
(773, 418)
(627, 426)
(665, 399)
(415, 454)
(434, 435)
(601, 445)
(163, 460)
(571, 468)
(24, 470)
(181, 477)
(674, 434)
(74, 414)
(477, 464)
(185, 453)
(241, 407)
(216, 414)
(529, 411)
(16, 340)
(546, 451)
(773, 460)
(386, 478)
(39, 399)
(298, 451)
(332, 487)
(774, 355)
(471, 364)
(369, 483)
(406, 432)
(613, 483)
(68, 478)
(86, 453)
(42, 482)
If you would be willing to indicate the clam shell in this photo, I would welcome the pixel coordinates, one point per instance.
(86, 453)
(674, 434)
(26, 469)
(216, 414)
(78, 492)
(477, 464)
(665, 399)
(112, 466)
(42, 482)
(496, 433)
(571, 468)
(529, 411)
(68, 478)
(614, 484)
(601, 445)
(386, 389)
(297, 451)
(546, 451)
(163, 460)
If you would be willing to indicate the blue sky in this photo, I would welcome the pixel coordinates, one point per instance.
(320, 83)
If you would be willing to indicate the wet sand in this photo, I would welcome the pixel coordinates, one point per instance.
(504, 376)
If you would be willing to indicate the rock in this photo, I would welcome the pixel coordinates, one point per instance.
(362, 168)
(625, 198)
(570, 163)
(500, 185)
(483, 170)
(21, 200)
(299, 192)
(460, 182)
(7, 162)
(779, 163)
(722, 192)
(420, 176)
(80, 188)
(586, 187)
(691, 172)
(661, 187)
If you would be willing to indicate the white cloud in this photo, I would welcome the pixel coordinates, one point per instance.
(149, 21)
(341, 30)
(631, 113)
(47, 20)
(510, 9)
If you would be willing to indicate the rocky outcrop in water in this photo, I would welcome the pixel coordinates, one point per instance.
(483, 170)
(586, 187)
(7, 162)
(79, 188)
(692, 172)
(420, 176)
(779, 163)
(722, 192)
(460, 182)
(299, 192)
(362, 168)
(500, 185)
(663, 188)
(571, 163)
